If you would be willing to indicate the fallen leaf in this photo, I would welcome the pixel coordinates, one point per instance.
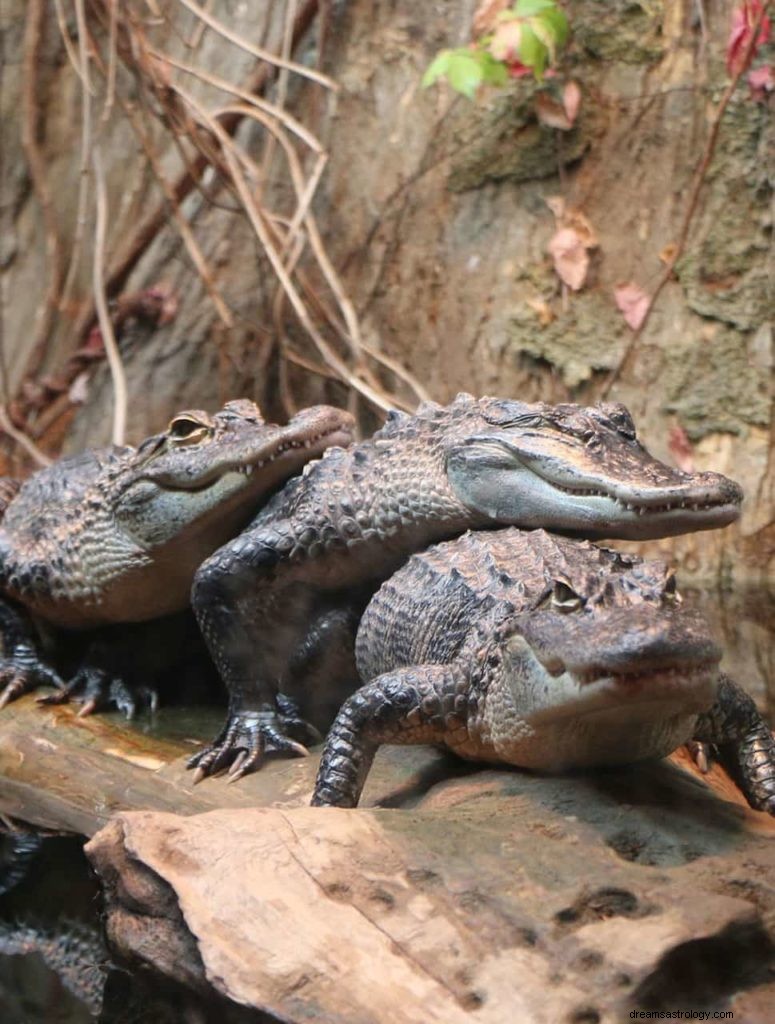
(667, 255)
(681, 448)
(551, 112)
(743, 22)
(486, 16)
(505, 41)
(571, 101)
(542, 310)
(761, 81)
(571, 259)
(633, 302)
(573, 218)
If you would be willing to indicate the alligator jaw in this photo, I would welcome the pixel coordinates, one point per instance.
(308, 435)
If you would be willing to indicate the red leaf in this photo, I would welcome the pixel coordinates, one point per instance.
(552, 113)
(571, 259)
(633, 302)
(571, 100)
(681, 448)
(743, 22)
(761, 81)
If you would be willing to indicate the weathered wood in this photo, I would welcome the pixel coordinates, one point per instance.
(64, 772)
(501, 897)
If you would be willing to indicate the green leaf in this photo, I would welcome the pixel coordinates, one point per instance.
(532, 52)
(493, 71)
(437, 68)
(545, 34)
(559, 24)
(464, 73)
(527, 8)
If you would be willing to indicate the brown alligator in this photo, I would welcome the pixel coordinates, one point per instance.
(542, 652)
(278, 605)
(114, 535)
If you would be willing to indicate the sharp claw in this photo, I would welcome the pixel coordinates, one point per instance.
(297, 748)
(6, 697)
(235, 770)
(88, 708)
(199, 774)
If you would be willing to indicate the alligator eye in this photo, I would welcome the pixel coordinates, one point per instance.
(565, 598)
(670, 590)
(188, 429)
(620, 418)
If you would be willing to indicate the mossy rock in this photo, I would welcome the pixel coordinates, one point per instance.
(629, 31)
(712, 386)
(503, 140)
(727, 275)
(587, 338)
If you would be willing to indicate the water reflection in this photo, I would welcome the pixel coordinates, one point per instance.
(744, 622)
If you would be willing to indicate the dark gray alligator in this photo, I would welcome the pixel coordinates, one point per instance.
(542, 652)
(114, 535)
(279, 605)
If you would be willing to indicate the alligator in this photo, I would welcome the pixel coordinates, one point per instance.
(279, 604)
(542, 652)
(114, 535)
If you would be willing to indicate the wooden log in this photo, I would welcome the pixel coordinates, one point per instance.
(63, 772)
(503, 897)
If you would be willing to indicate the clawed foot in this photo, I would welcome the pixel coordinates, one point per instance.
(701, 754)
(21, 673)
(247, 737)
(96, 690)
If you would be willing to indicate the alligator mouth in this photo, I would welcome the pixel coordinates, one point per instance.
(338, 433)
(246, 469)
(641, 508)
(635, 682)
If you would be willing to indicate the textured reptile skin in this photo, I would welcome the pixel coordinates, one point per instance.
(541, 652)
(115, 535)
(309, 562)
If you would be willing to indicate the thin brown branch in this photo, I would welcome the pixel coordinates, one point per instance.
(148, 230)
(38, 174)
(698, 180)
(256, 51)
(86, 144)
(101, 303)
(21, 439)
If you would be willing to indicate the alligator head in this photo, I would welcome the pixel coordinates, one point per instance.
(609, 667)
(210, 473)
(580, 471)
(115, 535)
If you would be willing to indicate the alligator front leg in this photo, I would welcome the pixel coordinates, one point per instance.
(250, 620)
(420, 704)
(101, 682)
(21, 668)
(743, 742)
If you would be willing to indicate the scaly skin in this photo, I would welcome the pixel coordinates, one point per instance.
(73, 950)
(307, 565)
(541, 652)
(115, 535)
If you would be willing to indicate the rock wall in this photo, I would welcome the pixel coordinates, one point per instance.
(434, 211)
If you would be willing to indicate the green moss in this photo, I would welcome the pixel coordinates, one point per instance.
(588, 337)
(618, 30)
(504, 140)
(727, 274)
(712, 386)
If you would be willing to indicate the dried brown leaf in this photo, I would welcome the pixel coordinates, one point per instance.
(633, 302)
(486, 16)
(571, 259)
(551, 112)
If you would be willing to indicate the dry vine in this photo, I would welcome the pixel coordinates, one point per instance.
(139, 79)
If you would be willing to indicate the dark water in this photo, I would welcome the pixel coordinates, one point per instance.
(59, 892)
